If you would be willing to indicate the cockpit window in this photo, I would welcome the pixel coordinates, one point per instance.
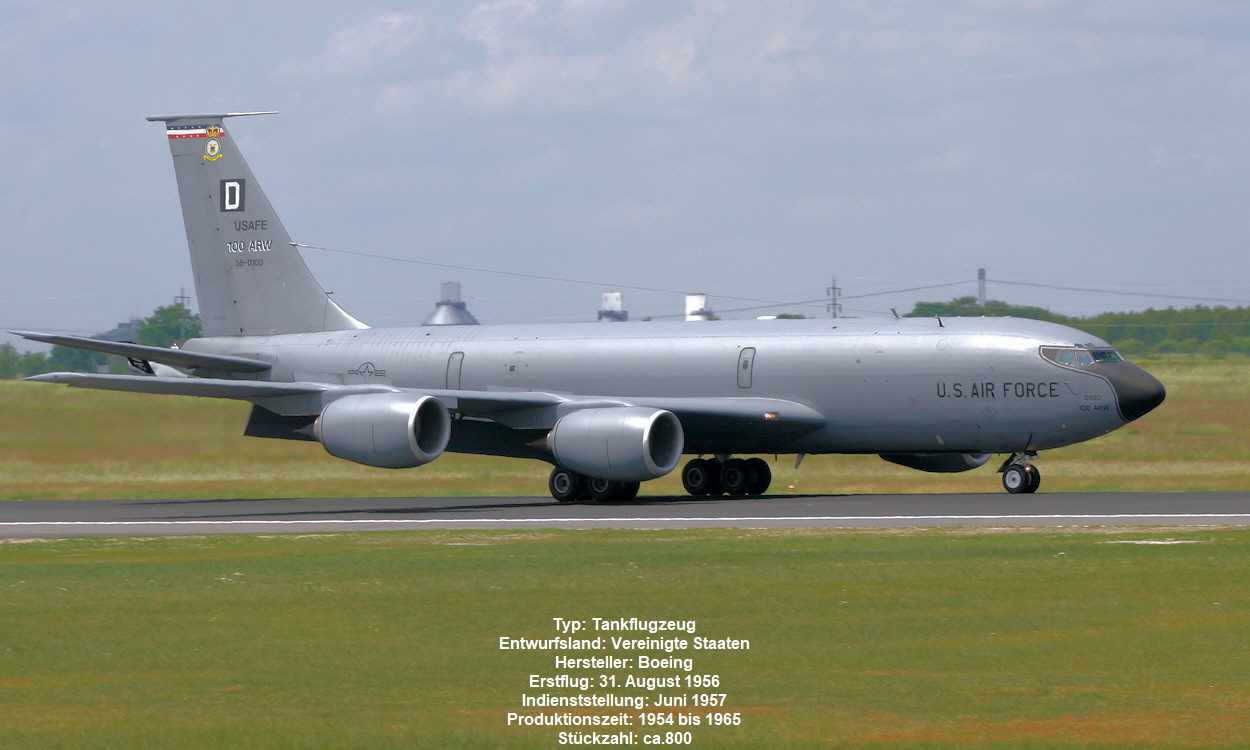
(1079, 356)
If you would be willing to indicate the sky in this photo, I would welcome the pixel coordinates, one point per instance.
(1091, 156)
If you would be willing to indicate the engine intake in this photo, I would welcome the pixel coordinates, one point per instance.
(388, 430)
(941, 463)
(621, 443)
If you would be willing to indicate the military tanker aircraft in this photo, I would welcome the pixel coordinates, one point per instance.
(608, 405)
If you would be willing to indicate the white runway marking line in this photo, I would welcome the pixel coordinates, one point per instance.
(652, 519)
(1157, 541)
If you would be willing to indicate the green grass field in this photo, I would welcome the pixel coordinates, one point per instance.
(63, 443)
(903, 638)
(857, 639)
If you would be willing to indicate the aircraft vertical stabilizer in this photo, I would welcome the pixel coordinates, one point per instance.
(249, 279)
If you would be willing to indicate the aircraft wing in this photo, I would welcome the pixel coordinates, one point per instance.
(705, 420)
(486, 404)
(173, 357)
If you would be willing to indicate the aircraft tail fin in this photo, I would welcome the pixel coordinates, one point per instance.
(249, 279)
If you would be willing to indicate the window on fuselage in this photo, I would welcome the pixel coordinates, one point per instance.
(1079, 356)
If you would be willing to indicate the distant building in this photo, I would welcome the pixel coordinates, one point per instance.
(611, 311)
(696, 307)
(123, 332)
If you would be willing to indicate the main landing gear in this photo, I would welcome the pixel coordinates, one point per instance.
(701, 476)
(569, 486)
(1019, 476)
(734, 476)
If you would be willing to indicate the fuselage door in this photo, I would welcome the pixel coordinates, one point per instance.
(454, 363)
(746, 361)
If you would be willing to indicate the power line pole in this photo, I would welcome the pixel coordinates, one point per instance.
(981, 287)
(183, 301)
(834, 291)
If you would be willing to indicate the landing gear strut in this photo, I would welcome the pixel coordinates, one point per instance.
(1019, 476)
(734, 476)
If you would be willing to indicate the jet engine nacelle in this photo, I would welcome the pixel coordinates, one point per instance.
(388, 430)
(943, 463)
(621, 443)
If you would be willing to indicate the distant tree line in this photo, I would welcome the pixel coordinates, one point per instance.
(164, 327)
(1214, 332)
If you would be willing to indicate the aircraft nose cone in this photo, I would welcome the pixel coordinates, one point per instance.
(1136, 390)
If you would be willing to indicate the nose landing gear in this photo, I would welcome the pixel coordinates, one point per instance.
(1019, 476)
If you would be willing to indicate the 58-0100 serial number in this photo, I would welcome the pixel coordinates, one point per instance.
(249, 262)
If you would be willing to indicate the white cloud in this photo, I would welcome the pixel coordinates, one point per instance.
(362, 47)
(742, 44)
(500, 26)
(528, 55)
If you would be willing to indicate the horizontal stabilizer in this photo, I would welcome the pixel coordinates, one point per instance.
(174, 357)
(244, 390)
(171, 118)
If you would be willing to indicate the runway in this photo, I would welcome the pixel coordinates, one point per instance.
(62, 518)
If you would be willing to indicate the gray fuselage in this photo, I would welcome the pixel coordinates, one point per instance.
(967, 385)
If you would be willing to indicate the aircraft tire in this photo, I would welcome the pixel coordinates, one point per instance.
(1021, 479)
(566, 486)
(701, 477)
(735, 477)
(762, 475)
(611, 491)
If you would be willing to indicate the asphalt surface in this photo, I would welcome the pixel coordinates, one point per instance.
(63, 518)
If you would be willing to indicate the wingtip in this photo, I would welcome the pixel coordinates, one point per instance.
(40, 336)
(55, 377)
